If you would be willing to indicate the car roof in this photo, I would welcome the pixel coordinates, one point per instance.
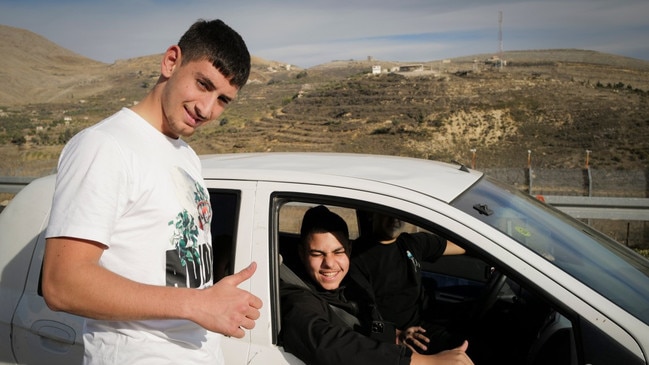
(437, 179)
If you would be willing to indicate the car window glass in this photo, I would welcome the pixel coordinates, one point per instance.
(599, 347)
(604, 265)
(225, 208)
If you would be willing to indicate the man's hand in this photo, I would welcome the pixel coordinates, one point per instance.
(456, 356)
(413, 337)
(229, 310)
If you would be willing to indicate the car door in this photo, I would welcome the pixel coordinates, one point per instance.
(515, 298)
(276, 196)
(40, 335)
(257, 240)
(240, 236)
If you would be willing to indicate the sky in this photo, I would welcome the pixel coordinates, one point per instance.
(312, 32)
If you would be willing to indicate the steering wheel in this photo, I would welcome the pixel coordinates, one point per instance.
(489, 294)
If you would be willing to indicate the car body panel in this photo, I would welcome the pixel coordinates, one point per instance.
(419, 188)
(340, 169)
(35, 330)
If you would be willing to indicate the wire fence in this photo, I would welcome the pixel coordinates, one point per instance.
(618, 204)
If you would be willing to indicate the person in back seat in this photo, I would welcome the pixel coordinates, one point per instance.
(389, 261)
(320, 326)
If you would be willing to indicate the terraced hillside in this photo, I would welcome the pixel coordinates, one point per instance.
(556, 111)
(547, 105)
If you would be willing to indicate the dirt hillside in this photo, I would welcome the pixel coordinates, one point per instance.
(556, 104)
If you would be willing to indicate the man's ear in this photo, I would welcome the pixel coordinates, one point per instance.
(301, 252)
(170, 60)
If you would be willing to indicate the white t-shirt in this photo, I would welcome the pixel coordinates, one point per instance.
(126, 185)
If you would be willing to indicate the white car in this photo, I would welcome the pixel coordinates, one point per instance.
(536, 286)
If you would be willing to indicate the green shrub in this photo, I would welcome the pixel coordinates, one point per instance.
(301, 75)
(644, 252)
(383, 130)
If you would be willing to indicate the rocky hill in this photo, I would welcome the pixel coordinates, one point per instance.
(33, 69)
(556, 110)
(547, 105)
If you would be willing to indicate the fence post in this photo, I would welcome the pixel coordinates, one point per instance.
(529, 172)
(589, 176)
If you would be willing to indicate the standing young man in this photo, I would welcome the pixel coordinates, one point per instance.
(128, 242)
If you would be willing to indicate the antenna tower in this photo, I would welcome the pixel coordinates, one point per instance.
(500, 40)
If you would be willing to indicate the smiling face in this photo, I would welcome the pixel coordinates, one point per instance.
(194, 94)
(325, 259)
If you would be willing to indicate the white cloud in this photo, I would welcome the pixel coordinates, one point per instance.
(314, 32)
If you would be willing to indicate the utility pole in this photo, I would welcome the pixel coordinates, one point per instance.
(530, 174)
(473, 150)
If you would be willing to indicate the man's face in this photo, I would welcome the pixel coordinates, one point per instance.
(195, 94)
(326, 260)
(386, 227)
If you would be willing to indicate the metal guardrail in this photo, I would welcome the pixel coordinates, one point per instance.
(591, 207)
(582, 207)
(13, 184)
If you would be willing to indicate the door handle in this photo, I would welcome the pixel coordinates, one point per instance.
(55, 331)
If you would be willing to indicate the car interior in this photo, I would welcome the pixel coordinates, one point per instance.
(468, 293)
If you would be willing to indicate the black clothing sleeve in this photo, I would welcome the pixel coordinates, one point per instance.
(431, 246)
(311, 331)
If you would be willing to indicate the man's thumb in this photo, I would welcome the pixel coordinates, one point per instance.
(464, 346)
(243, 275)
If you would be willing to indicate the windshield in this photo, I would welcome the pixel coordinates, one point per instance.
(614, 271)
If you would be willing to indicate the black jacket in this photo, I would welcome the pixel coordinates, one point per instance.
(393, 272)
(316, 335)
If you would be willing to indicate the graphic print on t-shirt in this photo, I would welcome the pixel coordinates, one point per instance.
(189, 261)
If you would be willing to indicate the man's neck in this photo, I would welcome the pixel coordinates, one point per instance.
(388, 241)
(150, 107)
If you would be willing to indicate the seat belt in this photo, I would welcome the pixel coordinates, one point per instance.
(290, 277)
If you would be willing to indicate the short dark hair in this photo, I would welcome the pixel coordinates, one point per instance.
(216, 42)
(319, 219)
